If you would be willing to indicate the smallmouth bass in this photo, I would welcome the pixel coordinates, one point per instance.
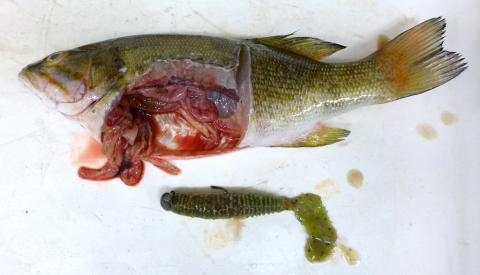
(160, 97)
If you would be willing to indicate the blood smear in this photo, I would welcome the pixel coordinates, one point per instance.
(86, 151)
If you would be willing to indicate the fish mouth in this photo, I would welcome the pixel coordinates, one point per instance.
(26, 77)
(35, 84)
(51, 94)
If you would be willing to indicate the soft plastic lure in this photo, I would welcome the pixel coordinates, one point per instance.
(308, 209)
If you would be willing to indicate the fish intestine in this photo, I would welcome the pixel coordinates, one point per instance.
(199, 118)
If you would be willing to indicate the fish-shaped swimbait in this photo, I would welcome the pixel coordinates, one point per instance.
(160, 97)
(224, 204)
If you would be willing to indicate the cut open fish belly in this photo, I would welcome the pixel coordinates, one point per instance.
(178, 108)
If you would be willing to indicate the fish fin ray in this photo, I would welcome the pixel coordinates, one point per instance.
(415, 61)
(320, 137)
(312, 48)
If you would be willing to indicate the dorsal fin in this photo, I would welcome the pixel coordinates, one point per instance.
(309, 47)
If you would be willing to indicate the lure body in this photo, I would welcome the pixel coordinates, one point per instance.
(308, 209)
(222, 205)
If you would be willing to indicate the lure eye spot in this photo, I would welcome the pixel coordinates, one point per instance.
(167, 200)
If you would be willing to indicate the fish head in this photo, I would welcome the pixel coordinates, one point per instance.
(61, 77)
(74, 82)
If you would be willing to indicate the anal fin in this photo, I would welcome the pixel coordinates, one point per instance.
(320, 137)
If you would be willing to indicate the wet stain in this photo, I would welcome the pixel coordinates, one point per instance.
(351, 256)
(382, 40)
(235, 226)
(86, 151)
(219, 238)
(426, 131)
(344, 143)
(355, 178)
(408, 21)
(448, 118)
(327, 188)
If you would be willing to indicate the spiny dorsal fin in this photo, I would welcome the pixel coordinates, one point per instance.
(309, 47)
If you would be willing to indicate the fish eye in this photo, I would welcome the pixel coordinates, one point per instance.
(55, 57)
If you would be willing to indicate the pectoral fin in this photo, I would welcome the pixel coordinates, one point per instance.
(320, 137)
(309, 47)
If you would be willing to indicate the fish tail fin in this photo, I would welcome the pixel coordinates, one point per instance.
(415, 62)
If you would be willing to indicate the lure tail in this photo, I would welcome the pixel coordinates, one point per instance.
(310, 212)
(415, 62)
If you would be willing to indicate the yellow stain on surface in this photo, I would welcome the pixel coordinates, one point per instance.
(327, 188)
(448, 118)
(217, 239)
(426, 131)
(220, 237)
(235, 226)
(351, 256)
(407, 21)
(355, 178)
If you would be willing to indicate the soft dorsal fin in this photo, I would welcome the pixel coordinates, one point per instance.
(309, 47)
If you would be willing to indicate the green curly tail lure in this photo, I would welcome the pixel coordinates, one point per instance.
(222, 204)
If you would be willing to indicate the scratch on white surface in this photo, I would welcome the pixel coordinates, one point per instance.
(222, 30)
(197, 243)
(96, 216)
(20, 138)
(47, 20)
(43, 170)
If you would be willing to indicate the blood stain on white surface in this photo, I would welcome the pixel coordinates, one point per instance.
(86, 151)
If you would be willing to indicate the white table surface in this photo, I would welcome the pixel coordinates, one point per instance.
(417, 212)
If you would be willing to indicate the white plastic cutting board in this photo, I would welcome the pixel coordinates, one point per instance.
(416, 213)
